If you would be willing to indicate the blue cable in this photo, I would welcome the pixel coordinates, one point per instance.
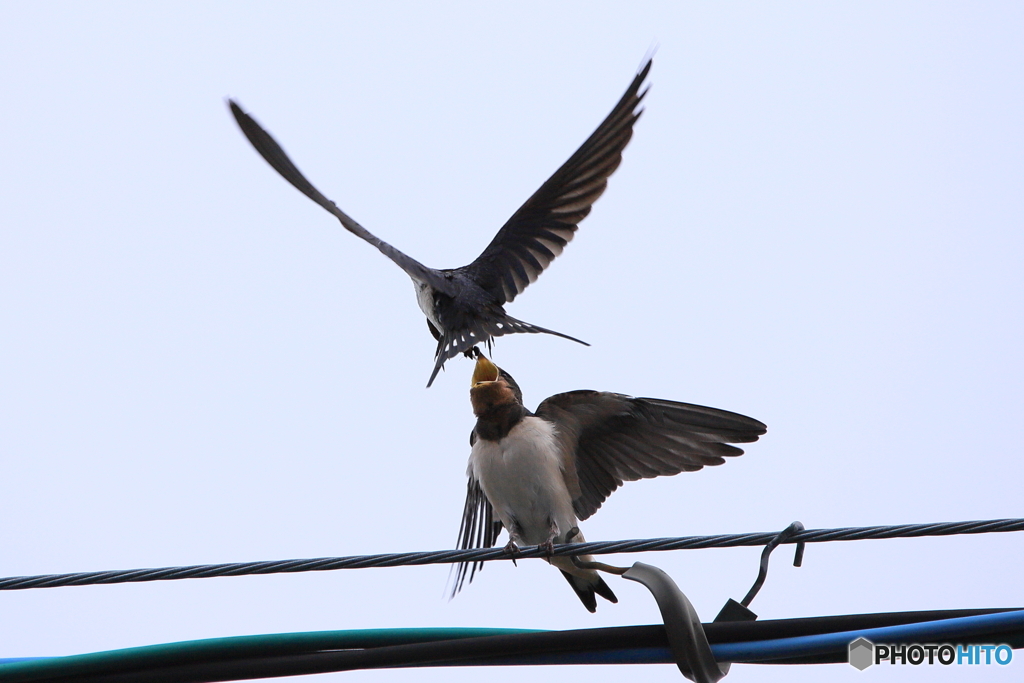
(758, 651)
(922, 632)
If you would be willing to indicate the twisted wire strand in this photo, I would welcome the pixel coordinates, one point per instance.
(488, 554)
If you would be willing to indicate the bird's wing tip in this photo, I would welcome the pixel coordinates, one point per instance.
(645, 63)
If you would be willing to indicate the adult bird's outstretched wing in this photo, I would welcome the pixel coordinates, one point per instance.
(275, 155)
(479, 529)
(537, 232)
(614, 438)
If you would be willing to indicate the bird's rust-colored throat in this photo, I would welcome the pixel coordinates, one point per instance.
(489, 392)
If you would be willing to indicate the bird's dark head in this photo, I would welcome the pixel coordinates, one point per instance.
(492, 388)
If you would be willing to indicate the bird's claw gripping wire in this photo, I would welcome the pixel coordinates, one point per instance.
(512, 549)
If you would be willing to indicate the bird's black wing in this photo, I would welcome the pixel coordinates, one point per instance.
(537, 232)
(274, 155)
(614, 438)
(479, 529)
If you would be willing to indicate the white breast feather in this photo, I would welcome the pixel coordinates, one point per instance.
(522, 478)
(425, 299)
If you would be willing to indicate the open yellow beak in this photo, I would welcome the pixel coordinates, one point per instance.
(485, 371)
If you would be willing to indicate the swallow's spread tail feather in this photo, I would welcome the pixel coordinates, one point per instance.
(451, 344)
(586, 588)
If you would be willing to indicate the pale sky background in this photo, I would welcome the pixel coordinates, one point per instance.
(818, 223)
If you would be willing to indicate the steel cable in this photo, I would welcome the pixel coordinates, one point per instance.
(488, 554)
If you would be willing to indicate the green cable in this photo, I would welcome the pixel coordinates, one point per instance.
(236, 647)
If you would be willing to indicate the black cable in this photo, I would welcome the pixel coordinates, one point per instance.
(332, 651)
(488, 554)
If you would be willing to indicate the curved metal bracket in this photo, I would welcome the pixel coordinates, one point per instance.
(740, 611)
(762, 573)
(686, 637)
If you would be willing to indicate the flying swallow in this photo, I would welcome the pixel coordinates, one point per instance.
(538, 474)
(465, 306)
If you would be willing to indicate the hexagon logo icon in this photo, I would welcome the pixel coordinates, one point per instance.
(862, 653)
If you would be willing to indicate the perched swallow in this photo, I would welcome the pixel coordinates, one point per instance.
(465, 306)
(538, 474)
